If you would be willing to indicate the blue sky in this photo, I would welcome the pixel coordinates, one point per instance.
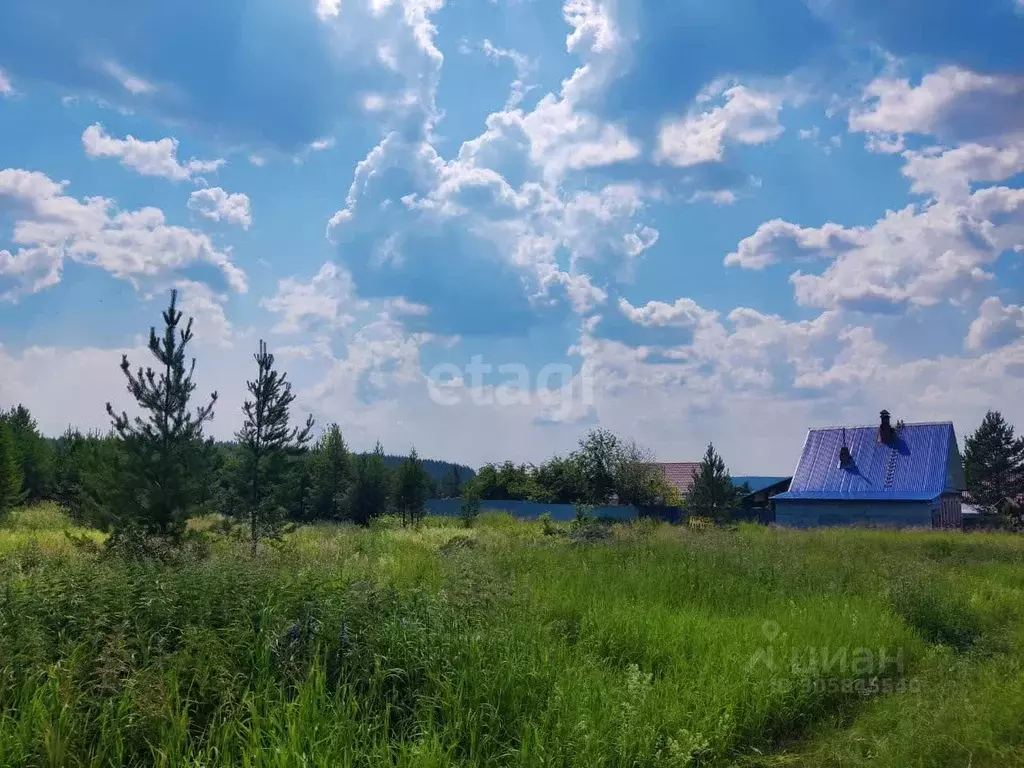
(483, 227)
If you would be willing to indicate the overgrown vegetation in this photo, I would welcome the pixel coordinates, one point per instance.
(499, 645)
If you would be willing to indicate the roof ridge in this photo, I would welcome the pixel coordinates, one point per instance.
(875, 426)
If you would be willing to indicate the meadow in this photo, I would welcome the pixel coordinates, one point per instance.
(513, 643)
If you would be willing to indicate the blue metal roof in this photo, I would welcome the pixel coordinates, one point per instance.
(912, 468)
(757, 482)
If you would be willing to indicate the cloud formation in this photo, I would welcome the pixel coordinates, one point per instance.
(149, 158)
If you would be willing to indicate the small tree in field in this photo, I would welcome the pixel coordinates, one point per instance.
(267, 440)
(10, 472)
(161, 448)
(368, 496)
(411, 488)
(712, 493)
(332, 474)
(993, 461)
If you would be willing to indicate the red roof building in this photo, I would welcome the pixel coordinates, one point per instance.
(680, 473)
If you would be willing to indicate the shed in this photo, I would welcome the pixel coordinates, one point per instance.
(907, 475)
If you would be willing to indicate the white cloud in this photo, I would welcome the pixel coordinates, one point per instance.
(684, 313)
(132, 245)
(6, 88)
(949, 173)
(327, 9)
(321, 144)
(951, 103)
(258, 160)
(135, 85)
(716, 196)
(326, 300)
(149, 158)
(746, 117)
(214, 203)
(777, 240)
(523, 67)
(996, 325)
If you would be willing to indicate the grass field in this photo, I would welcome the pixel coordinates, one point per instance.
(500, 645)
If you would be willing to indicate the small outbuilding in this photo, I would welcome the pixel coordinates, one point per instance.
(902, 475)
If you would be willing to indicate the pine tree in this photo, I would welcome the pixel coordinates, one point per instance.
(161, 450)
(994, 462)
(451, 486)
(34, 454)
(332, 472)
(712, 493)
(267, 439)
(411, 488)
(10, 472)
(368, 497)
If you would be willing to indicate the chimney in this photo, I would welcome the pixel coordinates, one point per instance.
(885, 431)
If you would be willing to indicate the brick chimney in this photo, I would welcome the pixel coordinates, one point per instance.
(885, 430)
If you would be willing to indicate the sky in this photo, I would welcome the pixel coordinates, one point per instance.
(484, 227)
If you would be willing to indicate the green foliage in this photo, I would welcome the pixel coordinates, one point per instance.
(598, 457)
(267, 441)
(162, 451)
(35, 456)
(10, 471)
(410, 489)
(994, 462)
(331, 474)
(451, 485)
(504, 482)
(469, 511)
(712, 494)
(500, 646)
(560, 480)
(368, 496)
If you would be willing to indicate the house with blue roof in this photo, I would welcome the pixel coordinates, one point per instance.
(903, 475)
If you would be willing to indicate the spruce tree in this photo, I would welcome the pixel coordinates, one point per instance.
(10, 472)
(332, 473)
(35, 457)
(368, 497)
(451, 487)
(267, 440)
(712, 493)
(993, 462)
(158, 485)
(411, 488)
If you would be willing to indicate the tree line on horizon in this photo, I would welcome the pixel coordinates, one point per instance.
(145, 477)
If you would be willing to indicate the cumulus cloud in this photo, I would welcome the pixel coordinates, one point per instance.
(323, 303)
(949, 173)
(914, 256)
(996, 325)
(6, 88)
(214, 203)
(138, 246)
(951, 103)
(149, 158)
(746, 117)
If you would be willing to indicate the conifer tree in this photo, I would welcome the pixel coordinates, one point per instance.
(35, 457)
(368, 497)
(332, 473)
(10, 472)
(993, 462)
(712, 493)
(411, 488)
(451, 486)
(158, 486)
(267, 439)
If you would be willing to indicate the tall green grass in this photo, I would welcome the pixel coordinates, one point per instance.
(499, 645)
